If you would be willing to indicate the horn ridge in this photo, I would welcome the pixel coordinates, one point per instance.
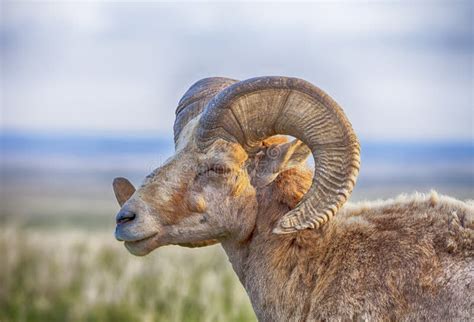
(266, 106)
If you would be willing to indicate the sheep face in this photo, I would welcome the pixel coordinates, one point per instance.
(199, 198)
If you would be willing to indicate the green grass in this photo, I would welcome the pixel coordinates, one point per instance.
(71, 275)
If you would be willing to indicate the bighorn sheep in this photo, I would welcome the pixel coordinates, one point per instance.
(234, 181)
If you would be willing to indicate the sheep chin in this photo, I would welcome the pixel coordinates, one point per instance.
(142, 247)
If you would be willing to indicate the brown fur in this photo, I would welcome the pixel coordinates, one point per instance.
(405, 259)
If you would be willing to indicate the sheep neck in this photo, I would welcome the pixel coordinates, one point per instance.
(272, 266)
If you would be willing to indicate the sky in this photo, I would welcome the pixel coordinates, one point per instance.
(401, 70)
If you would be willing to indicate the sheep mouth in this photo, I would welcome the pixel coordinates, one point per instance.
(141, 239)
(141, 247)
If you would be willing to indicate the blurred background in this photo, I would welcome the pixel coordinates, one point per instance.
(88, 93)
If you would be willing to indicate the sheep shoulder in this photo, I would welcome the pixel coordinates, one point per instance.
(412, 257)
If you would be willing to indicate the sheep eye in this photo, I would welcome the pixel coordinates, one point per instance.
(216, 170)
(220, 170)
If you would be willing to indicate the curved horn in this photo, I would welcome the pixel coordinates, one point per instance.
(249, 111)
(195, 100)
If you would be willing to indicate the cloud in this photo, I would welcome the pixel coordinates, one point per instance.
(401, 71)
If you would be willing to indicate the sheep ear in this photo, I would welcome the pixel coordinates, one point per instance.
(279, 158)
(123, 190)
(293, 154)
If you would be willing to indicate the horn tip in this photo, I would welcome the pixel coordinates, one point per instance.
(289, 225)
(283, 231)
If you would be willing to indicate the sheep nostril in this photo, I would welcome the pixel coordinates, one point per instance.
(124, 217)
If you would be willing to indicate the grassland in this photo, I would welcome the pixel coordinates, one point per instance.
(79, 275)
(59, 260)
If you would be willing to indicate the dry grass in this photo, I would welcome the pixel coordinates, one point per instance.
(77, 276)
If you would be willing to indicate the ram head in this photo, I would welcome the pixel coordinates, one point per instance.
(225, 156)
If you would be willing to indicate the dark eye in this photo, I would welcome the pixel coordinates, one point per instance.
(220, 170)
(216, 170)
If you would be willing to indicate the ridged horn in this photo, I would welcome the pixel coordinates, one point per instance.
(195, 100)
(249, 111)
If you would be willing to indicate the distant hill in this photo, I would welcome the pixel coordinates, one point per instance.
(44, 174)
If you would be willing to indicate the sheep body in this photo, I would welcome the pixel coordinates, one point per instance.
(409, 258)
(233, 181)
